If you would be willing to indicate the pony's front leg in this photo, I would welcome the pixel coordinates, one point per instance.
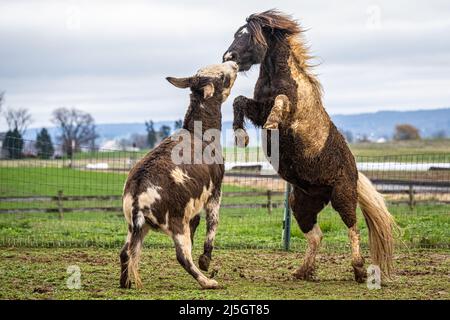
(212, 220)
(280, 110)
(244, 107)
(183, 247)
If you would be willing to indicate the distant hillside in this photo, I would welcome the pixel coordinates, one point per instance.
(374, 125)
(382, 123)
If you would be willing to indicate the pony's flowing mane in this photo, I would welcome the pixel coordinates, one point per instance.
(283, 26)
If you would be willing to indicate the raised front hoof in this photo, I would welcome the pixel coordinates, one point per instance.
(239, 101)
(360, 274)
(303, 273)
(241, 138)
(282, 101)
(203, 262)
(271, 125)
(209, 284)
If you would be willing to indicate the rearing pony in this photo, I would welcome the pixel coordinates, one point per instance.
(314, 156)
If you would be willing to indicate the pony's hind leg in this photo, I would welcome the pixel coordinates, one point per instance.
(136, 238)
(280, 109)
(124, 278)
(183, 246)
(344, 201)
(212, 220)
(193, 224)
(357, 258)
(306, 208)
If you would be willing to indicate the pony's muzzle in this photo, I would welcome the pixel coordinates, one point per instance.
(230, 56)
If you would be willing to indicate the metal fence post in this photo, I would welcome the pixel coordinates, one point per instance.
(269, 201)
(287, 219)
(60, 204)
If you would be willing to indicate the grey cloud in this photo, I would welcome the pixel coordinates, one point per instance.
(114, 66)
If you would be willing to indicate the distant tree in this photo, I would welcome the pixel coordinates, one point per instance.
(348, 135)
(178, 124)
(164, 132)
(152, 135)
(363, 138)
(77, 127)
(139, 140)
(18, 119)
(44, 145)
(13, 144)
(406, 132)
(441, 134)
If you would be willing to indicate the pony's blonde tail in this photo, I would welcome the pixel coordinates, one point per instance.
(379, 222)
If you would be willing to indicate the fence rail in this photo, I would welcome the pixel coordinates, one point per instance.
(60, 198)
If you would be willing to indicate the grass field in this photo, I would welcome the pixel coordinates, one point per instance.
(402, 148)
(425, 225)
(37, 248)
(243, 274)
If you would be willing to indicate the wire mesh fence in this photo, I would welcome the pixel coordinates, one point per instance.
(75, 201)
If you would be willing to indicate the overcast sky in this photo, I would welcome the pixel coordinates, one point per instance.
(111, 57)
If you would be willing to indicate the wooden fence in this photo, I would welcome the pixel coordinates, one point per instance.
(409, 188)
(60, 198)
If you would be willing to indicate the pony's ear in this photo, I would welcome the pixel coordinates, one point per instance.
(180, 82)
(208, 91)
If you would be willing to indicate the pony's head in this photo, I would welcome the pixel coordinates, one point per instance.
(253, 38)
(211, 81)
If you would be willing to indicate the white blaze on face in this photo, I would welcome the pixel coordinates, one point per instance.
(243, 31)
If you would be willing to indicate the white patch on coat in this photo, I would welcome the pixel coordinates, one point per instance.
(179, 176)
(165, 226)
(212, 216)
(127, 205)
(194, 205)
(147, 198)
(140, 219)
(354, 242)
(314, 238)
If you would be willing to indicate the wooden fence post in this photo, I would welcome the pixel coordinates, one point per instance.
(269, 202)
(60, 204)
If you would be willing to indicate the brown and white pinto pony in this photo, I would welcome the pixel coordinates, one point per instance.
(313, 155)
(167, 195)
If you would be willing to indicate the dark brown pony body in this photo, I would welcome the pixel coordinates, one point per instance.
(314, 156)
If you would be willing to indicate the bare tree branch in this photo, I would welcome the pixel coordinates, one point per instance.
(75, 125)
(18, 119)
